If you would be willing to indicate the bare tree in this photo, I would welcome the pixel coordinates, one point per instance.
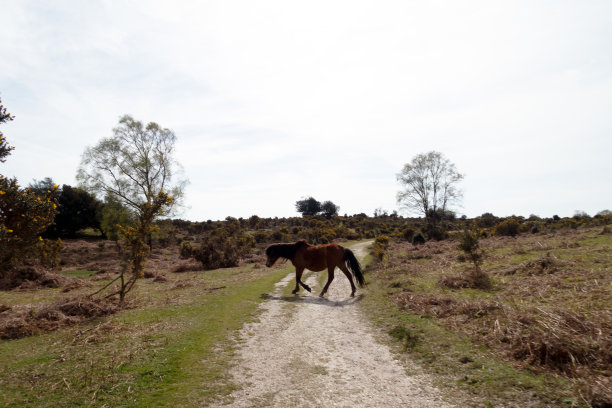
(430, 186)
(136, 167)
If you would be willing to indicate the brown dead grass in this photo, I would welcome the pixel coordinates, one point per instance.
(31, 278)
(187, 266)
(18, 322)
(474, 278)
(42, 313)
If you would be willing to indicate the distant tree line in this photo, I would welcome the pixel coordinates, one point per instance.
(126, 205)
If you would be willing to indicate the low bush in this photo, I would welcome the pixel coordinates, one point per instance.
(508, 227)
(408, 233)
(219, 250)
(48, 252)
(381, 244)
(418, 239)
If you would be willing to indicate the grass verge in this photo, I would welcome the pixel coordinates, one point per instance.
(467, 373)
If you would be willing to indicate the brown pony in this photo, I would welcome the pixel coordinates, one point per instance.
(316, 258)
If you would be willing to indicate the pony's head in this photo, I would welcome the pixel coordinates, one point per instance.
(273, 253)
(282, 251)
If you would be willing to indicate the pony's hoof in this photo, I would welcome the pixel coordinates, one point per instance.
(308, 289)
(294, 292)
(353, 294)
(321, 294)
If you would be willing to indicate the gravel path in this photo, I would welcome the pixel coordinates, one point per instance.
(307, 351)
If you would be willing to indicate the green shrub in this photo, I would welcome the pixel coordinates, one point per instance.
(381, 244)
(185, 250)
(48, 252)
(261, 236)
(278, 236)
(220, 250)
(382, 240)
(113, 214)
(508, 227)
(469, 245)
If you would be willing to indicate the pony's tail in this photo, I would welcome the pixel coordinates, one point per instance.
(354, 265)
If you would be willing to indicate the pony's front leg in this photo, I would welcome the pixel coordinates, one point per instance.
(298, 280)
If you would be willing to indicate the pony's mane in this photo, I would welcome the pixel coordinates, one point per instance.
(285, 251)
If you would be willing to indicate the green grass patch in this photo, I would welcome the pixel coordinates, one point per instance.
(78, 273)
(173, 344)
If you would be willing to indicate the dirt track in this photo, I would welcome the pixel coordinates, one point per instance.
(307, 351)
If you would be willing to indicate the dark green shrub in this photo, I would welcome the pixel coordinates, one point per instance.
(486, 220)
(408, 233)
(437, 233)
(418, 239)
(261, 236)
(77, 210)
(185, 250)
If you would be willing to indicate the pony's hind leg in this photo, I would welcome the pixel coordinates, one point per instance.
(350, 278)
(330, 278)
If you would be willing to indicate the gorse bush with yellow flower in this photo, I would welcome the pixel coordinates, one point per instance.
(24, 214)
(23, 218)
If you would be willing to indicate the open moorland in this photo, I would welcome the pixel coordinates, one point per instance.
(541, 331)
(539, 334)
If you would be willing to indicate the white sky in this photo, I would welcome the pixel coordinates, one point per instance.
(273, 101)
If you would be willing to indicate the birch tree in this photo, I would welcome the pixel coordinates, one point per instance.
(430, 186)
(137, 168)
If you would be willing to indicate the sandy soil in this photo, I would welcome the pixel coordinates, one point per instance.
(307, 351)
